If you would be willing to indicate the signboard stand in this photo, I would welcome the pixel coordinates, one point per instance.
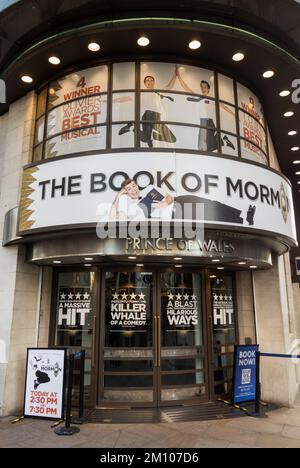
(246, 376)
(246, 379)
(68, 430)
(44, 383)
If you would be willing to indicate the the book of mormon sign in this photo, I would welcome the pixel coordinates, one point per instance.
(87, 190)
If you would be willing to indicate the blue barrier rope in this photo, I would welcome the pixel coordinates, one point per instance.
(284, 356)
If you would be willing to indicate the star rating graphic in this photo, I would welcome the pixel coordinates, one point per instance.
(125, 297)
(72, 296)
(222, 298)
(181, 297)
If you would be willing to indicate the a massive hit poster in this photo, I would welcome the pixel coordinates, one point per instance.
(44, 388)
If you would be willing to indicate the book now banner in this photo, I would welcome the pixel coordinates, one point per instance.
(137, 186)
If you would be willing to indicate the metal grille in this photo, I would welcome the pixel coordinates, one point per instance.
(206, 412)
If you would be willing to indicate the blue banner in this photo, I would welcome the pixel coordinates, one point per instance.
(245, 374)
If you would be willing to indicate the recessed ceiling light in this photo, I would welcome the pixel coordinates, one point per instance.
(213, 277)
(253, 267)
(216, 261)
(177, 259)
(293, 132)
(288, 114)
(194, 45)
(56, 262)
(238, 57)
(295, 148)
(143, 41)
(284, 93)
(54, 60)
(27, 79)
(269, 74)
(140, 265)
(87, 265)
(178, 266)
(94, 47)
(220, 268)
(242, 263)
(88, 259)
(131, 258)
(296, 162)
(297, 173)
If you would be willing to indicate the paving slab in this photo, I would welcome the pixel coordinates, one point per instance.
(277, 429)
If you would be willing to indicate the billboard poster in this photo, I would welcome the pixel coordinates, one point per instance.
(162, 187)
(252, 126)
(245, 374)
(181, 309)
(44, 386)
(129, 310)
(74, 309)
(223, 308)
(77, 105)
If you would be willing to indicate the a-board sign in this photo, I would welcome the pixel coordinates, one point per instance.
(245, 374)
(44, 385)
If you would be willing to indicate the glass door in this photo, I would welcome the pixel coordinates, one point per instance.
(181, 351)
(224, 319)
(152, 348)
(127, 352)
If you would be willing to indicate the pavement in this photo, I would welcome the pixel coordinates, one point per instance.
(277, 429)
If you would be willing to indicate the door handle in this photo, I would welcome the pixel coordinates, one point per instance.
(94, 340)
(155, 342)
(158, 342)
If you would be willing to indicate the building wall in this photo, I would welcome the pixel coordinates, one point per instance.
(25, 290)
(276, 334)
(18, 281)
(245, 306)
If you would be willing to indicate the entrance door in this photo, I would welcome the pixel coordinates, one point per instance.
(152, 349)
(182, 358)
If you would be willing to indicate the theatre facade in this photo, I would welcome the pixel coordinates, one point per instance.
(146, 215)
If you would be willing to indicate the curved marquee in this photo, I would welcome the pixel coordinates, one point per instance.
(216, 192)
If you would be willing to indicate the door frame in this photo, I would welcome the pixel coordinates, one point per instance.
(156, 310)
(210, 329)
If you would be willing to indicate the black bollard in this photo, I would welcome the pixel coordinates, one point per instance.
(258, 389)
(68, 430)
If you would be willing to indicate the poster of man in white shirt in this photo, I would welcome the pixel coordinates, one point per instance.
(132, 203)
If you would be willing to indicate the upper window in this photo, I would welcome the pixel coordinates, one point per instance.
(149, 105)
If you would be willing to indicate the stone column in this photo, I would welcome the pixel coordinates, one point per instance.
(18, 281)
(245, 307)
(273, 313)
